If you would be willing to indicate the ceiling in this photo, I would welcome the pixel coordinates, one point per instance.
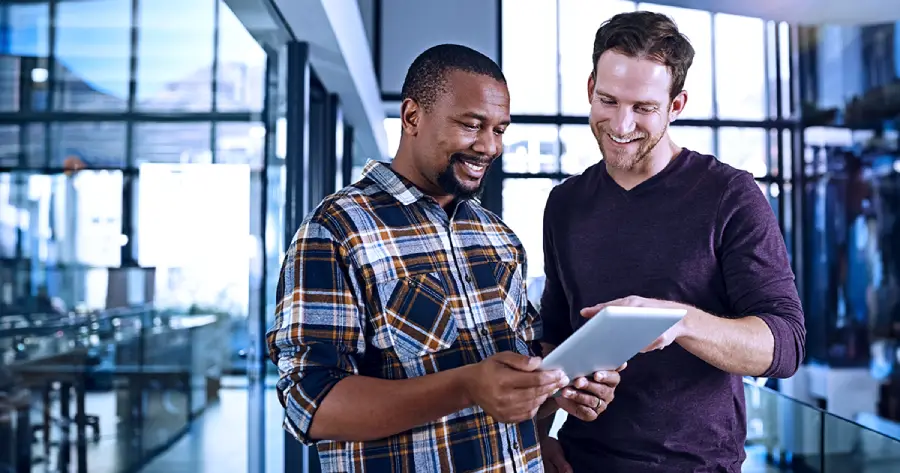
(809, 12)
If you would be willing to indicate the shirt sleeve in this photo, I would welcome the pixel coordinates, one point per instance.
(318, 334)
(758, 276)
(554, 311)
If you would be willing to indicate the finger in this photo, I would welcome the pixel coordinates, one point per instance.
(653, 346)
(537, 379)
(518, 361)
(624, 365)
(609, 378)
(581, 412)
(584, 398)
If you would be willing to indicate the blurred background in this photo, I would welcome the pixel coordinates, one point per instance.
(156, 156)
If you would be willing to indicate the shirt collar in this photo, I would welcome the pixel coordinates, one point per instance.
(392, 183)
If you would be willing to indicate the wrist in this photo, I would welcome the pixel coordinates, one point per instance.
(547, 409)
(690, 324)
(462, 384)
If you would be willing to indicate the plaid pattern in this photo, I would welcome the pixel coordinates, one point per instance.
(380, 281)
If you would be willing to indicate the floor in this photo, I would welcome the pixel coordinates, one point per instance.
(217, 442)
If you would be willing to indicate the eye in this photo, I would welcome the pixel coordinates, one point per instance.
(646, 109)
(499, 131)
(607, 101)
(470, 126)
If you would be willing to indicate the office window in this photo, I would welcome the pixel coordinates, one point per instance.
(531, 148)
(93, 51)
(745, 148)
(578, 23)
(694, 138)
(579, 148)
(22, 142)
(175, 55)
(87, 145)
(523, 210)
(242, 66)
(697, 26)
(740, 67)
(393, 130)
(24, 47)
(529, 56)
(785, 46)
(240, 143)
(172, 143)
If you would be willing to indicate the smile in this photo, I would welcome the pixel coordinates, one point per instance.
(476, 168)
(623, 140)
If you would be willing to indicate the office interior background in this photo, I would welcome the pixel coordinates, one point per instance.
(156, 157)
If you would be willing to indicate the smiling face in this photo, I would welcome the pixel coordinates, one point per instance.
(458, 139)
(631, 109)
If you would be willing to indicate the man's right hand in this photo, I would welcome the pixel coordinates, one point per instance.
(509, 387)
(554, 457)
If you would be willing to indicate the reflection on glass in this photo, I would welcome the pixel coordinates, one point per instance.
(241, 66)
(88, 145)
(175, 55)
(93, 51)
(529, 56)
(523, 209)
(579, 148)
(740, 67)
(172, 143)
(578, 24)
(531, 148)
(694, 138)
(745, 148)
(22, 146)
(697, 26)
(23, 55)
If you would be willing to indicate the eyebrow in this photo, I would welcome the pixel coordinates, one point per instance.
(639, 102)
(482, 118)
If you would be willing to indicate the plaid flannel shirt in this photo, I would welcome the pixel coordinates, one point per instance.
(380, 281)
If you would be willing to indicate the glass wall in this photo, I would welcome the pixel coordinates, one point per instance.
(141, 215)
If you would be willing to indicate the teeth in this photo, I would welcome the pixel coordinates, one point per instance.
(474, 167)
(621, 140)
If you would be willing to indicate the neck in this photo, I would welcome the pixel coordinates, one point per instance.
(404, 165)
(660, 157)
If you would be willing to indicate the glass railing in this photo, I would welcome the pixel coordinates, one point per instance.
(784, 434)
(104, 391)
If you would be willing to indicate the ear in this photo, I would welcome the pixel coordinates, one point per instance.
(678, 104)
(410, 115)
(590, 87)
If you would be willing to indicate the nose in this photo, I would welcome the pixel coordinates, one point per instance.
(488, 144)
(622, 123)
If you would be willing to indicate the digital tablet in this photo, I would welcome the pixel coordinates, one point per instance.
(609, 339)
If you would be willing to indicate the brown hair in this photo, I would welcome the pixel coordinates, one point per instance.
(648, 35)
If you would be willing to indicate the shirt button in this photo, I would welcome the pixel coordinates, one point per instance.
(484, 331)
(468, 278)
(516, 446)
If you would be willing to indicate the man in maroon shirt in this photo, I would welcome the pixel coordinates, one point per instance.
(657, 225)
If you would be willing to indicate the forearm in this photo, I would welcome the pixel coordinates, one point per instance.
(360, 408)
(545, 418)
(742, 346)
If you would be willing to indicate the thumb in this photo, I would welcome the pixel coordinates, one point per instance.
(518, 361)
(589, 312)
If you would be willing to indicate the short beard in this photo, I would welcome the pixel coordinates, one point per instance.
(626, 162)
(451, 184)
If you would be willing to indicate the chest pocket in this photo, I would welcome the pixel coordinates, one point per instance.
(501, 289)
(417, 315)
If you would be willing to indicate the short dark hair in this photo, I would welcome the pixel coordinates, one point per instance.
(427, 76)
(644, 34)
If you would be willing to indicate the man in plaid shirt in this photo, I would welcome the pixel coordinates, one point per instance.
(403, 334)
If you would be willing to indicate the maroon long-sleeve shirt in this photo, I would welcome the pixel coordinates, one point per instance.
(700, 232)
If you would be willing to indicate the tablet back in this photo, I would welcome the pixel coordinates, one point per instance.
(609, 339)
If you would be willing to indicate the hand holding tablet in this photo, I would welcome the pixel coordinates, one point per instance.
(610, 338)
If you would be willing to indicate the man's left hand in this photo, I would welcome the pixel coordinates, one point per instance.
(664, 340)
(588, 398)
